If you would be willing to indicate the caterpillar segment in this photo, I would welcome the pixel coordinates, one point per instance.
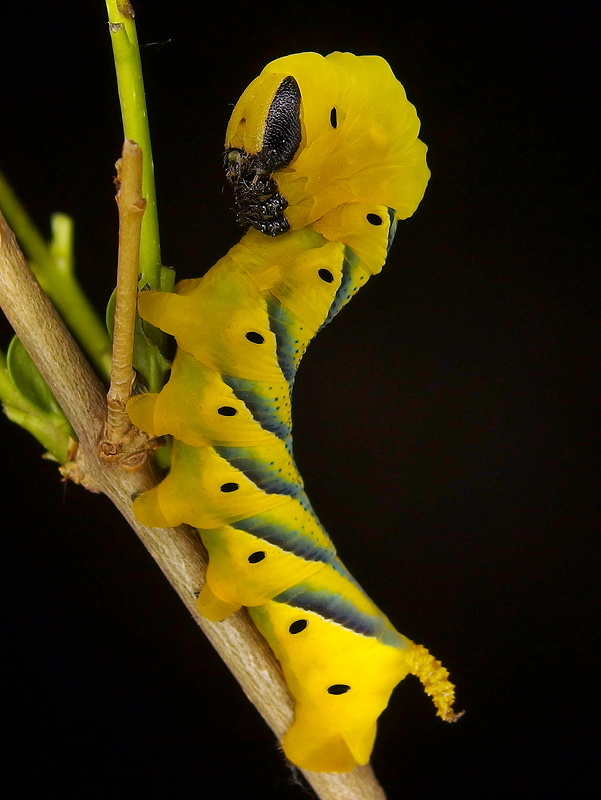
(341, 658)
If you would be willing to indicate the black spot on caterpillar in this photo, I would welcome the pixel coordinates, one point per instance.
(339, 688)
(298, 625)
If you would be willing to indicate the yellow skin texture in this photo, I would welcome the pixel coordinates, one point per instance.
(339, 178)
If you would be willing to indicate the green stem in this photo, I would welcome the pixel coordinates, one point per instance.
(53, 267)
(70, 300)
(31, 239)
(54, 438)
(135, 127)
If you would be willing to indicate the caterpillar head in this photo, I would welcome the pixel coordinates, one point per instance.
(314, 133)
(271, 135)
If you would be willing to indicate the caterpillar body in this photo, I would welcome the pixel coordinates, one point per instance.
(323, 157)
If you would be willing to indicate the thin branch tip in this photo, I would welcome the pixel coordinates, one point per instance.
(131, 206)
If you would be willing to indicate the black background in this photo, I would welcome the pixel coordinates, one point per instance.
(443, 423)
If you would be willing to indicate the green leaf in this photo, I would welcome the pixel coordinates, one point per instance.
(149, 360)
(28, 402)
(28, 381)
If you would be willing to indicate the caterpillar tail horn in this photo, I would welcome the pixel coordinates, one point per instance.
(434, 678)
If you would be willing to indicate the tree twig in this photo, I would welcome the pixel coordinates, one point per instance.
(177, 551)
(131, 210)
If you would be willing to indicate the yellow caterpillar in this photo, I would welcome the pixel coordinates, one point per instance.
(323, 157)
